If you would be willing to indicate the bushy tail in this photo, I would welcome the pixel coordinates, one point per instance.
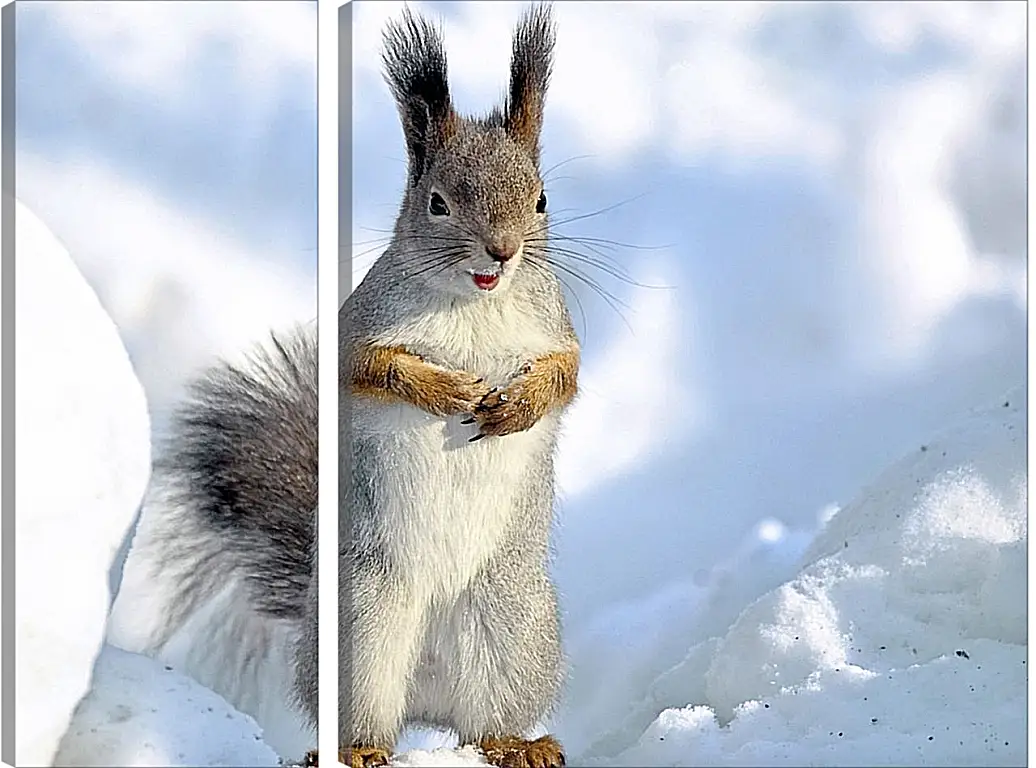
(217, 577)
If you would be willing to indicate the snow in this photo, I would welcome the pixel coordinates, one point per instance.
(144, 713)
(225, 644)
(441, 757)
(83, 462)
(81, 414)
(900, 640)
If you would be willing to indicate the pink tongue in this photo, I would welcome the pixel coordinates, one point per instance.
(485, 282)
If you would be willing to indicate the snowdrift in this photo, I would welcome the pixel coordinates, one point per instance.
(902, 641)
(83, 462)
(143, 713)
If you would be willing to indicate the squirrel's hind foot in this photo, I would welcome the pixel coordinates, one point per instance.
(513, 752)
(364, 757)
(354, 757)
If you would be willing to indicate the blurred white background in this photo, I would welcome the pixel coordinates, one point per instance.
(172, 148)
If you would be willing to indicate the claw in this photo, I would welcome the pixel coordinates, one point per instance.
(482, 403)
(468, 421)
(479, 436)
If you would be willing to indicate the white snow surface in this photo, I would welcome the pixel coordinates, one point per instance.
(144, 713)
(82, 413)
(83, 460)
(901, 640)
(225, 645)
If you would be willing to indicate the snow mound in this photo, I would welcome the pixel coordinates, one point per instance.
(83, 461)
(143, 713)
(224, 644)
(901, 641)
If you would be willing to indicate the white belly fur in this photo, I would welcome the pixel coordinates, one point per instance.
(445, 502)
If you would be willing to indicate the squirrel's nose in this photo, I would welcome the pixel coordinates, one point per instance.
(502, 251)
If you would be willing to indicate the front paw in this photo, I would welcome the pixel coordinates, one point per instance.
(506, 411)
(445, 393)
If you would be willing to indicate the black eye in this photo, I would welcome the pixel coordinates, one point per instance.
(541, 204)
(437, 206)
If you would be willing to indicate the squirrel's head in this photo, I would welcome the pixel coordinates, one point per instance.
(474, 204)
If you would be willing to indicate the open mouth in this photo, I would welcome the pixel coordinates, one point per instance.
(485, 281)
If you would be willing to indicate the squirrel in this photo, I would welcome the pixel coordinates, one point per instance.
(458, 358)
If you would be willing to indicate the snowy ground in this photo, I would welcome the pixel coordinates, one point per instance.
(901, 640)
(140, 712)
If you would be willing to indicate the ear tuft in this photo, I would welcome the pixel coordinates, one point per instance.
(415, 70)
(532, 58)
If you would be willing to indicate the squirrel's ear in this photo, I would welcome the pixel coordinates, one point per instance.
(532, 57)
(415, 69)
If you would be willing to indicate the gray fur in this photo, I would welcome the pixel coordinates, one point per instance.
(468, 639)
(241, 460)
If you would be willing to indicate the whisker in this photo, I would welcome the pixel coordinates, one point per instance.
(442, 262)
(406, 238)
(606, 209)
(599, 260)
(616, 272)
(546, 174)
(366, 252)
(613, 301)
(603, 241)
(586, 279)
(439, 252)
(567, 257)
(403, 238)
(575, 294)
(550, 242)
(366, 242)
(424, 252)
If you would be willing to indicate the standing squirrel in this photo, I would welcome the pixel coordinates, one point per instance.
(457, 360)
